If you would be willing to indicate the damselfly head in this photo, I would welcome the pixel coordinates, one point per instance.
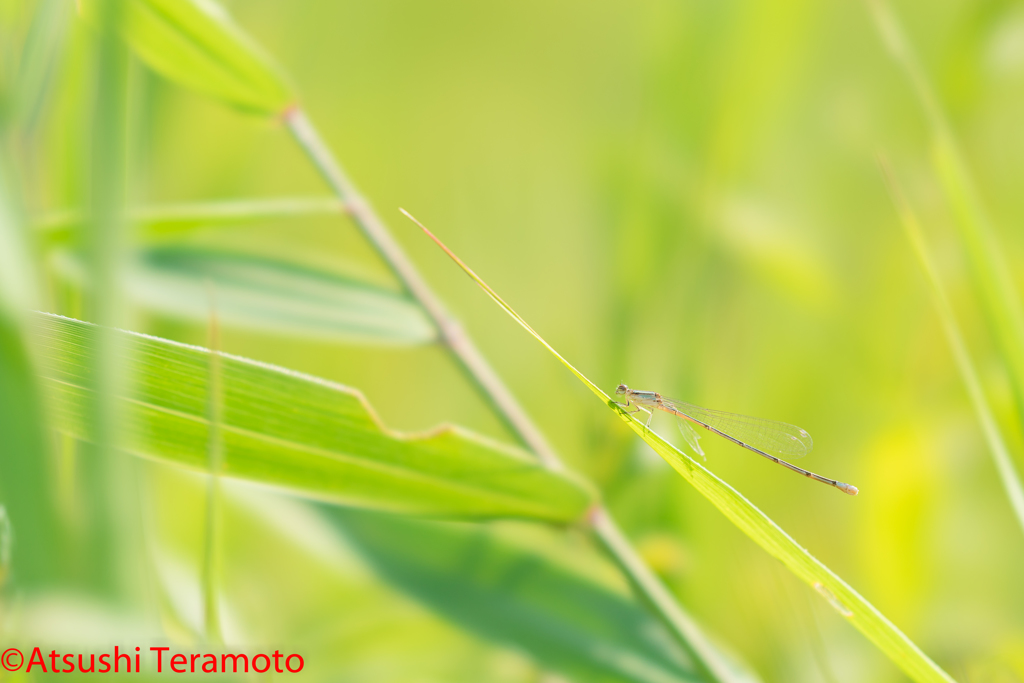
(621, 389)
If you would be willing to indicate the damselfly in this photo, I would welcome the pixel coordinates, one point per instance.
(765, 437)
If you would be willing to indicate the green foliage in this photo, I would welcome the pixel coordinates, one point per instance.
(989, 425)
(18, 286)
(993, 283)
(770, 536)
(160, 223)
(321, 157)
(681, 194)
(566, 620)
(26, 492)
(312, 437)
(195, 43)
(44, 41)
(757, 525)
(247, 291)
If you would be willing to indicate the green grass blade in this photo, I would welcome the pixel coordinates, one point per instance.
(991, 275)
(43, 47)
(495, 587)
(757, 525)
(197, 45)
(313, 437)
(989, 270)
(989, 427)
(18, 287)
(159, 222)
(213, 536)
(266, 294)
(508, 309)
(26, 485)
(108, 508)
(271, 295)
(26, 490)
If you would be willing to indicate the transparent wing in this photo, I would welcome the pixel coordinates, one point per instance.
(692, 437)
(775, 438)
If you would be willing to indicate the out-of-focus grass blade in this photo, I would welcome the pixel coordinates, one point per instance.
(757, 525)
(25, 483)
(43, 45)
(213, 541)
(18, 286)
(501, 591)
(316, 438)
(273, 295)
(165, 221)
(196, 44)
(989, 426)
(266, 294)
(990, 272)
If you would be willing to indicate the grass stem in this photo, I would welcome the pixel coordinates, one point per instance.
(450, 332)
(498, 395)
(752, 521)
(104, 474)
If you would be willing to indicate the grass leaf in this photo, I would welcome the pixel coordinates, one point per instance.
(18, 275)
(496, 588)
(992, 278)
(26, 483)
(196, 44)
(757, 525)
(43, 47)
(267, 294)
(316, 438)
(989, 427)
(27, 500)
(159, 222)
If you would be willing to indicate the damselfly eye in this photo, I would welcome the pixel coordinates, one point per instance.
(621, 389)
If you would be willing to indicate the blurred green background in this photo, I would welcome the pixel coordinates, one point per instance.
(681, 196)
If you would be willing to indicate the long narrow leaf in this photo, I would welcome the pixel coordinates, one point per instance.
(160, 222)
(992, 277)
(43, 46)
(18, 287)
(273, 295)
(26, 486)
(504, 592)
(989, 427)
(266, 294)
(757, 525)
(313, 437)
(196, 44)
